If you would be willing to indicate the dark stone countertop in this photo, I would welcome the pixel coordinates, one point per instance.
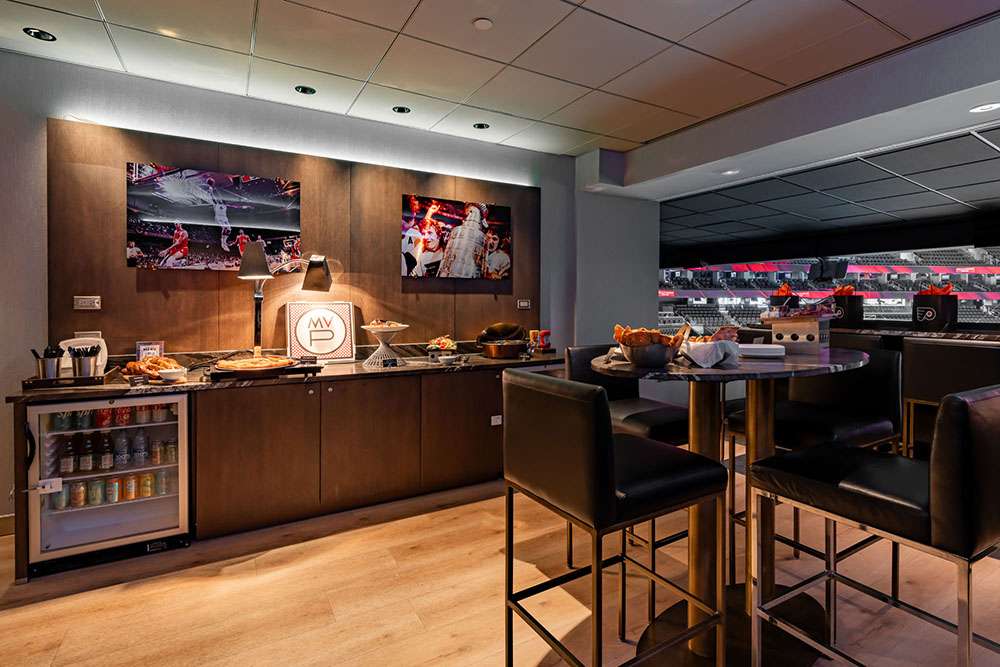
(984, 336)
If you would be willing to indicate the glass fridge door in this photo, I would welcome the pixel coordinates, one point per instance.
(107, 473)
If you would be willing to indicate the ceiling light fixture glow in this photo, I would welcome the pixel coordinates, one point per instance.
(481, 126)
(401, 109)
(983, 108)
(305, 90)
(38, 33)
(482, 23)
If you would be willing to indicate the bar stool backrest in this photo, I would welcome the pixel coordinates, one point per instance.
(558, 445)
(578, 368)
(965, 472)
(874, 389)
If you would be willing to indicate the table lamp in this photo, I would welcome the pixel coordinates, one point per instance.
(253, 266)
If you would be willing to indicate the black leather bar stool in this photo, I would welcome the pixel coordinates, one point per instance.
(560, 450)
(946, 507)
(630, 413)
(860, 408)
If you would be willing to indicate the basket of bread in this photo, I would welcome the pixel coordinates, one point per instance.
(649, 348)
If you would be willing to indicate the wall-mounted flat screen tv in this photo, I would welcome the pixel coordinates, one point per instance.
(197, 219)
(455, 239)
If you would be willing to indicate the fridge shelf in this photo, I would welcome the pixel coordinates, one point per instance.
(69, 510)
(77, 477)
(98, 429)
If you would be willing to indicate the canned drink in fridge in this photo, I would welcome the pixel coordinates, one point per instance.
(95, 492)
(130, 487)
(62, 421)
(162, 483)
(156, 453)
(104, 417)
(85, 419)
(113, 490)
(160, 412)
(122, 450)
(78, 494)
(60, 499)
(123, 416)
(147, 484)
(143, 414)
(170, 452)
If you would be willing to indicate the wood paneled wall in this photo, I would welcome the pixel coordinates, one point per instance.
(350, 212)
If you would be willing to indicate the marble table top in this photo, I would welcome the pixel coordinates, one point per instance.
(834, 360)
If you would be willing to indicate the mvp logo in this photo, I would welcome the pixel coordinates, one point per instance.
(320, 331)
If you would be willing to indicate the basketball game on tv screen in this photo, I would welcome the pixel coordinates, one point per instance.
(195, 219)
(453, 239)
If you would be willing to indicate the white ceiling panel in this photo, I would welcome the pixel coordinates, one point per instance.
(589, 49)
(277, 82)
(429, 69)
(86, 8)
(604, 113)
(516, 24)
(672, 19)
(391, 14)
(692, 83)
(376, 103)
(302, 36)
(603, 142)
(782, 30)
(525, 93)
(226, 24)
(926, 17)
(78, 40)
(549, 138)
(460, 123)
(168, 59)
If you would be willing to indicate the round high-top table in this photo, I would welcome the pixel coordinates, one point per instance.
(705, 437)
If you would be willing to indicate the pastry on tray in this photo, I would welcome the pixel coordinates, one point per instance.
(150, 366)
(261, 363)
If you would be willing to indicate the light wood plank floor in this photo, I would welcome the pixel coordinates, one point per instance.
(418, 582)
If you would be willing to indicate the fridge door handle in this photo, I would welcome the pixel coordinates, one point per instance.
(32, 447)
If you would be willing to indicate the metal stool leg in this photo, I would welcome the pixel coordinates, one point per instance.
(720, 581)
(597, 601)
(831, 584)
(796, 530)
(621, 593)
(756, 622)
(569, 545)
(895, 571)
(965, 614)
(508, 617)
(651, 601)
(732, 509)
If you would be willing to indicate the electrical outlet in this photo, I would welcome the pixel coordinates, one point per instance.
(496, 420)
(86, 303)
(524, 304)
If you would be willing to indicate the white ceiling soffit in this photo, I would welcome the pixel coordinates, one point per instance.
(918, 93)
(559, 76)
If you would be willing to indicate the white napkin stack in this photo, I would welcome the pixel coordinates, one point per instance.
(720, 353)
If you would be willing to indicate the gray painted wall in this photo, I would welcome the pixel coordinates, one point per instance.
(33, 89)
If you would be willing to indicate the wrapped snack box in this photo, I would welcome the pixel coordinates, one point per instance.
(935, 309)
(849, 310)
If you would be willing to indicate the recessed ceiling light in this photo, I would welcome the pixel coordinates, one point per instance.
(481, 126)
(401, 109)
(167, 32)
(38, 33)
(983, 108)
(482, 23)
(305, 90)
(729, 172)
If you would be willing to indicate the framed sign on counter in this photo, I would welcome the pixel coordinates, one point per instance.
(321, 329)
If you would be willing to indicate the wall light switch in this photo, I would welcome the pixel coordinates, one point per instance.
(524, 304)
(496, 420)
(86, 303)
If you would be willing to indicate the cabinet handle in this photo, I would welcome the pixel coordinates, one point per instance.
(311, 392)
(329, 390)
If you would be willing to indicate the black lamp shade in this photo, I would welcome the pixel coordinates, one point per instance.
(253, 265)
(317, 278)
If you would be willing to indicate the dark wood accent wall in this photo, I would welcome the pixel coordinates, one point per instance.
(350, 212)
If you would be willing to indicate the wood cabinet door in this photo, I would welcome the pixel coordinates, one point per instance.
(460, 444)
(256, 457)
(370, 441)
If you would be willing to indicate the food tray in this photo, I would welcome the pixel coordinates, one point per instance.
(36, 382)
(220, 374)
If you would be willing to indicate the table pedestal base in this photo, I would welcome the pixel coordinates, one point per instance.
(779, 648)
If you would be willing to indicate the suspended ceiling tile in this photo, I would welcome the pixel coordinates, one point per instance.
(866, 219)
(975, 193)
(516, 24)
(169, 59)
(786, 222)
(669, 211)
(655, 123)
(803, 203)
(605, 113)
(391, 14)
(225, 24)
(771, 188)
(847, 173)
(684, 233)
(744, 212)
(709, 201)
(78, 40)
(589, 49)
(992, 136)
(610, 143)
(730, 227)
(429, 69)
(963, 174)
(903, 202)
(670, 19)
(307, 37)
(755, 234)
(936, 155)
(920, 19)
(888, 187)
(277, 82)
(87, 8)
(695, 220)
(935, 212)
(549, 138)
(840, 211)
(681, 79)
(460, 123)
(376, 103)
(536, 95)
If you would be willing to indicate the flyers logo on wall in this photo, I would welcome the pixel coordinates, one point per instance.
(324, 330)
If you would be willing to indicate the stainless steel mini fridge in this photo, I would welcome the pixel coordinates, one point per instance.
(106, 474)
